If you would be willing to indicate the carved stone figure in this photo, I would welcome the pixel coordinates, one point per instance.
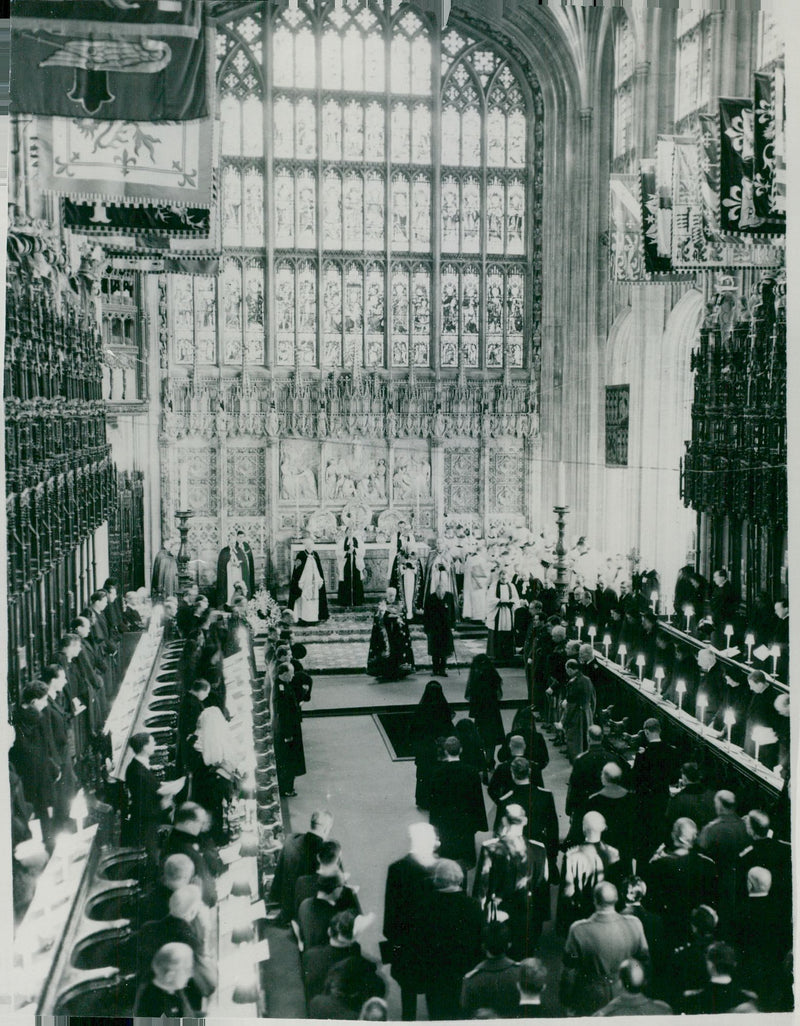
(297, 481)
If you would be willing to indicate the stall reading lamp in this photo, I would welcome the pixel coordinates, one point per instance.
(750, 640)
(623, 651)
(730, 719)
(658, 673)
(592, 632)
(640, 661)
(775, 652)
(688, 612)
(607, 643)
(579, 625)
(654, 600)
(680, 691)
(728, 632)
(702, 705)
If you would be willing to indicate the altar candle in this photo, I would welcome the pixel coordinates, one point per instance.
(592, 632)
(623, 651)
(702, 705)
(730, 719)
(750, 640)
(579, 625)
(561, 493)
(654, 600)
(640, 661)
(658, 673)
(688, 612)
(607, 643)
(775, 652)
(728, 632)
(680, 691)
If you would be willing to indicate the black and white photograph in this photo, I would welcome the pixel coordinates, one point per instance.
(397, 509)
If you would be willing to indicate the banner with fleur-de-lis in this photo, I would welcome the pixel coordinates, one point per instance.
(764, 155)
(737, 212)
(653, 219)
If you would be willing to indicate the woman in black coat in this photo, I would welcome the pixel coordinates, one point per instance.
(432, 719)
(484, 691)
(524, 725)
(472, 753)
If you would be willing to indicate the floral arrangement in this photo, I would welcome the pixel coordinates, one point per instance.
(263, 612)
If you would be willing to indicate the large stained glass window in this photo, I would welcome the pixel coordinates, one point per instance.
(374, 195)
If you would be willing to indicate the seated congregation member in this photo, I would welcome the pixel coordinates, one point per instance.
(298, 858)
(694, 800)
(457, 811)
(540, 809)
(189, 836)
(215, 774)
(314, 914)
(632, 999)
(164, 993)
(594, 951)
(405, 915)
(390, 656)
(318, 961)
(453, 942)
(584, 866)
(512, 877)
(148, 799)
(329, 862)
(679, 878)
(484, 691)
(492, 983)
(186, 922)
(349, 985)
(722, 992)
(618, 807)
(432, 719)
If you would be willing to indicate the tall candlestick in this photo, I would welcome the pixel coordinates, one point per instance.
(622, 651)
(561, 491)
(750, 640)
(607, 643)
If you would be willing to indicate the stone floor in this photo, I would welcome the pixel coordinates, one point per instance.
(350, 771)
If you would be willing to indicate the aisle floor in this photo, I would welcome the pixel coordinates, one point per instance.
(350, 771)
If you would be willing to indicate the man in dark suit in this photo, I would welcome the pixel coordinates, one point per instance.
(192, 704)
(297, 858)
(679, 879)
(632, 1000)
(493, 982)
(723, 602)
(189, 836)
(317, 962)
(585, 779)
(59, 717)
(764, 850)
(762, 931)
(531, 984)
(329, 863)
(408, 893)
(618, 808)
(184, 618)
(457, 810)
(722, 840)
(540, 808)
(693, 801)
(315, 914)
(655, 768)
(722, 993)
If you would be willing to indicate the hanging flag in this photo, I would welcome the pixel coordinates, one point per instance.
(652, 216)
(127, 160)
(764, 152)
(665, 149)
(170, 220)
(709, 169)
(737, 212)
(779, 178)
(109, 59)
(625, 235)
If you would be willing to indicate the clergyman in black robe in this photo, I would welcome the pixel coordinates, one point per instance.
(351, 587)
(245, 556)
(165, 575)
(391, 656)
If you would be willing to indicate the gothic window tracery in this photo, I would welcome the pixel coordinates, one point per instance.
(358, 138)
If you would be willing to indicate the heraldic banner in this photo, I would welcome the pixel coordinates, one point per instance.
(109, 59)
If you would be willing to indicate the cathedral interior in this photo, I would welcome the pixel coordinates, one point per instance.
(490, 286)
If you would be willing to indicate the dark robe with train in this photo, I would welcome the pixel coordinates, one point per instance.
(390, 653)
(351, 587)
(165, 575)
(245, 554)
(501, 602)
(448, 575)
(297, 600)
(440, 616)
(287, 731)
